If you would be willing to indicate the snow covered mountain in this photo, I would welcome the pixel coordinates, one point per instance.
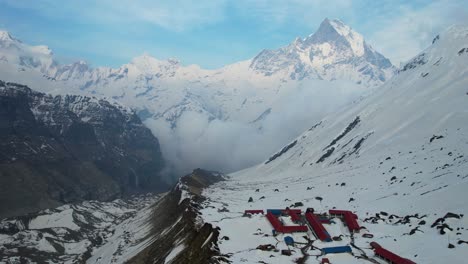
(15, 52)
(63, 149)
(334, 64)
(116, 230)
(335, 51)
(397, 159)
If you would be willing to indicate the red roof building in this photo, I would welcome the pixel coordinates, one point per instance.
(388, 255)
(292, 229)
(349, 218)
(294, 214)
(279, 227)
(275, 222)
(317, 227)
(295, 211)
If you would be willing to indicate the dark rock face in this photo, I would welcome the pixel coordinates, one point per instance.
(282, 151)
(63, 149)
(176, 222)
(415, 62)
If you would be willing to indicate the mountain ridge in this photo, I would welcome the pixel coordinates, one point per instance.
(326, 30)
(397, 159)
(168, 95)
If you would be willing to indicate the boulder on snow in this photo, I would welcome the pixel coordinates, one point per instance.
(297, 204)
(223, 210)
(451, 215)
(266, 247)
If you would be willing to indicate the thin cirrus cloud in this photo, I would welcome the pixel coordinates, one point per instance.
(276, 12)
(182, 15)
(176, 15)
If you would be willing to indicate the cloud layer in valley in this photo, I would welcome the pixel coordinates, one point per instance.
(228, 146)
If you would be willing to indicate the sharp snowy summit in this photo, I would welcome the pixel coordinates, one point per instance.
(334, 52)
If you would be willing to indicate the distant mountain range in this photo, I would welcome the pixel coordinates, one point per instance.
(252, 90)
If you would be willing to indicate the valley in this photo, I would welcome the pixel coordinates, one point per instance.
(319, 151)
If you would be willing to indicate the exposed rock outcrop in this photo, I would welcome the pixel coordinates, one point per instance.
(63, 149)
(180, 234)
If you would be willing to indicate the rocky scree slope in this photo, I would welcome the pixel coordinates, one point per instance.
(165, 228)
(86, 232)
(62, 149)
(179, 233)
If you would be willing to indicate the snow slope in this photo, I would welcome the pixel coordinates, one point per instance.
(401, 151)
(327, 70)
(91, 232)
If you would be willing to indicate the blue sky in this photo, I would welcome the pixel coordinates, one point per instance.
(213, 33)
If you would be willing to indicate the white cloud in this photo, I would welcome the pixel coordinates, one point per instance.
(233, 145)
(406, 33)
